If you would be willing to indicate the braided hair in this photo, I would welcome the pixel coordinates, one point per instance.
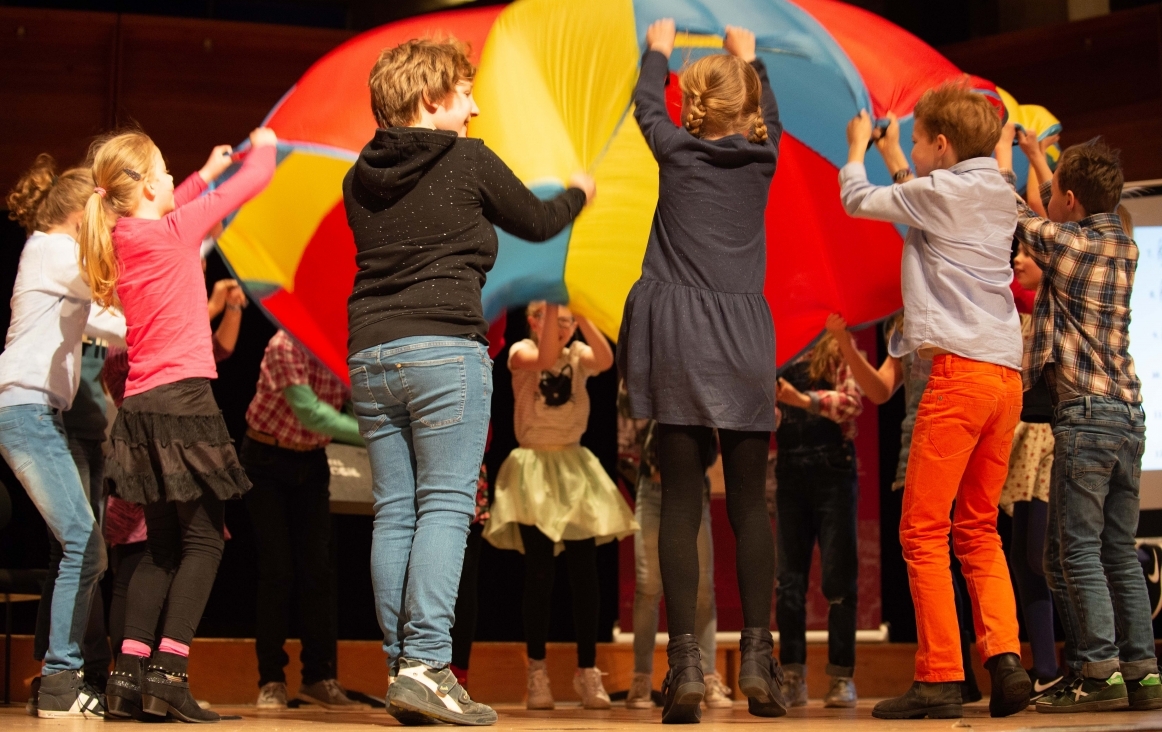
(722, 97)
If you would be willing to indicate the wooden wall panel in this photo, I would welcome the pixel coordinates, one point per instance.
(193, 84)
(1099, 76)
(56, 68)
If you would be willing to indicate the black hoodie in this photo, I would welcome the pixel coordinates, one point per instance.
(421, 204)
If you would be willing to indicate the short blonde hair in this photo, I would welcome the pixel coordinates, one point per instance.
(969, 122)
(405, 74)
(723, 95)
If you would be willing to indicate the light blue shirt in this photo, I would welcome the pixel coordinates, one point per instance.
(955, 272)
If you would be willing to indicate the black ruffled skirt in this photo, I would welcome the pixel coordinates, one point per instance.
(170, 444)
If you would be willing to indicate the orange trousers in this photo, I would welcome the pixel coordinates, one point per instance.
(960, 453)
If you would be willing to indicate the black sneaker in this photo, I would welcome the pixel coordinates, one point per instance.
(1146, 693)
(1087, 695)
(65, 694)
(435, 693)
(1045, 686)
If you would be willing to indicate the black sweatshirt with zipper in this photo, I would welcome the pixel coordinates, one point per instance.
(422, 204)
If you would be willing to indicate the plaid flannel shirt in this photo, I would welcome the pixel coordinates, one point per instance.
(1081, 318)
(285, 364)
(843, 403)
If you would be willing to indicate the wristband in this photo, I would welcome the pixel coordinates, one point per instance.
(901, 175)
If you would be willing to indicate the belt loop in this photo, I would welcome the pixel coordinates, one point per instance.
(1088, 407)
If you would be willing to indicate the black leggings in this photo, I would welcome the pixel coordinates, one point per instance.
(540, 565)
(467, 601)
(177, 573)
(744, 467)
(1026, 558)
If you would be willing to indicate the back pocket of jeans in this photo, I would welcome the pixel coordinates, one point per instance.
(436, 390)
(1093, 459)
(368, 411)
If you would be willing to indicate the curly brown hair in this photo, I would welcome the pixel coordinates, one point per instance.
(42, 199)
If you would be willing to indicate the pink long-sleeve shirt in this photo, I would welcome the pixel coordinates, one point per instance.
(161, 285)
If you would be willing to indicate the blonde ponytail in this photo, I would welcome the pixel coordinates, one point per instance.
(121, 165)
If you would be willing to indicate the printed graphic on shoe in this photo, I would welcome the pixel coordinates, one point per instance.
(65, 694)
(1145, 693)
(1087, 695)
(436, 694)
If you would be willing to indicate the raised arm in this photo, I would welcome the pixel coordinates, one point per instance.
(911, 203)
(649, 96)
(509, 204)
(877, 384)
(544, 352)
(740, 42)
(598, 356)
(192, 221)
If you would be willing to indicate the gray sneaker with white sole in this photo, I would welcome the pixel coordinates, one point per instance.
(435, 693)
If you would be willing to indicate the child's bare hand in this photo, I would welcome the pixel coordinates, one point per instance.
(585, 182)
(859, 130)
(660, 36)
(236, 296)
(888, 138)
(1050, 141)
(1027, 139)
(263, 137)
(739, 42)
(835, 324)
(217, 163)
(1008, 134)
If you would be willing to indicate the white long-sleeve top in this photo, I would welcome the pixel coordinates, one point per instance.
(51, 303)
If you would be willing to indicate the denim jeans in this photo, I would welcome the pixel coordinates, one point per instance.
(816, 497)
(32, 440)
(648, 589)
(423, 405)
(1090, 559)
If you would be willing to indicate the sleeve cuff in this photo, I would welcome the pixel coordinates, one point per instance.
(815, 402)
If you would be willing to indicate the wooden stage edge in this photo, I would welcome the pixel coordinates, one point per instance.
(225, 671)
(812, 718)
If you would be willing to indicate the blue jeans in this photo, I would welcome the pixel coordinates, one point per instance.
(32, 440)
(423, 405)
(1090, 560)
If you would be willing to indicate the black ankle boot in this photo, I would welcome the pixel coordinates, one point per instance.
(759, 675)
(1011, 684)
(932, 700)
(166, 689)
(123, 692)
(684, 686)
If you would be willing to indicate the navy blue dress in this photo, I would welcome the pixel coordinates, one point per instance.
(697, 343)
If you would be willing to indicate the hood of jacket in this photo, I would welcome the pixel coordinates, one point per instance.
(398, 157)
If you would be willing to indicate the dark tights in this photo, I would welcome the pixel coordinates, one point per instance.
(1026, 557)
(540, 566)
(185, 545)
(744, 467)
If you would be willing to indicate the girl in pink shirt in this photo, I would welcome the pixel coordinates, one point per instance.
(140, 241)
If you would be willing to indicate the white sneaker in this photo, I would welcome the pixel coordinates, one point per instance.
(272, 696)
(587, 684)
(540, 693)
(640, 694)
(717, 694)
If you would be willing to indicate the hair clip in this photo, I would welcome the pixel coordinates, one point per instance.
(131, 173)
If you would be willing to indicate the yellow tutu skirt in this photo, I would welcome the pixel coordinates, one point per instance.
(563, 492)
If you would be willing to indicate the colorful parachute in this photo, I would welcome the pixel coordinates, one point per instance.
(554, 85)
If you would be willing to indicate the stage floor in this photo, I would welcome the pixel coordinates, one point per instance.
(813, 718)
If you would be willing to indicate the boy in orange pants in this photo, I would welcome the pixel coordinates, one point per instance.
(959, 310)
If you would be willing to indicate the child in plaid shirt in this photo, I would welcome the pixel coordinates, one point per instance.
(1081, 344)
